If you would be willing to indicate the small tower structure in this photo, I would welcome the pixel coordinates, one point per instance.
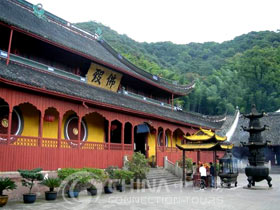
(256, 171)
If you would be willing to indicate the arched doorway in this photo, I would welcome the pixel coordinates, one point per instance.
(141, 132)
(16, 124)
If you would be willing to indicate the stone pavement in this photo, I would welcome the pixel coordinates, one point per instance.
(172, 197)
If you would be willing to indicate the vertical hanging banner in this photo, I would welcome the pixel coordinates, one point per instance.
(104, 78)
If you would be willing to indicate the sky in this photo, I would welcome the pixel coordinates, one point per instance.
(178, 21)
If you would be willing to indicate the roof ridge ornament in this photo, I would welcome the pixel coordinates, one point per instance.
(39, 11)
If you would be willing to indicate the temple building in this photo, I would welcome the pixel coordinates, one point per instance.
(68, 99)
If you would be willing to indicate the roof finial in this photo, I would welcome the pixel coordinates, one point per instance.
(39, 11)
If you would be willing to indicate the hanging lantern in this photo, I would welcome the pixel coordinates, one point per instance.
(153, 131)
(49, 118)
(114, 127)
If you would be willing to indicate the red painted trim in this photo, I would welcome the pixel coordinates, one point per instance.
(90, 58)
(9, 48)
(108, 106)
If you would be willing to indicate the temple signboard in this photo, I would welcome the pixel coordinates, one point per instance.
(103, 77)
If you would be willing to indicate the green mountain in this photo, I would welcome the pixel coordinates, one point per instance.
(239, 72)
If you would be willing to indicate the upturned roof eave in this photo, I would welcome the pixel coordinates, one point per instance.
(29, 31)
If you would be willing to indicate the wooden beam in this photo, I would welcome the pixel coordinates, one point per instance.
(10, 45)
(184, 168)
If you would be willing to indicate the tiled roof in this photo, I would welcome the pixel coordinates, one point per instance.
(25, 75)
(273, 134)
(67, 36)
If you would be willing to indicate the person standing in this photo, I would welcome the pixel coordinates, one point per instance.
(194, 169)
(212, 173)
(203, 174)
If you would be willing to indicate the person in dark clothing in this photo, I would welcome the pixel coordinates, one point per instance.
(212, 173)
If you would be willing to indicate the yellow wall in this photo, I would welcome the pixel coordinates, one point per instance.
(177, 139)
(95, 124)
(168, 134)
(65, 117)
(31, 120)
(152, 145)
(50, 129)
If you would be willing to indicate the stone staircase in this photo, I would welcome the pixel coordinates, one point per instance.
(158, 177)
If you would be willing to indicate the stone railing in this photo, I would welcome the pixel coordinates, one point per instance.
(173, 168)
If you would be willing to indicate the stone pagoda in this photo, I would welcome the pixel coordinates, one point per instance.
(257, 171)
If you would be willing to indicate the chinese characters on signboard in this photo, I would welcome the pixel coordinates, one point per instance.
(102, 77)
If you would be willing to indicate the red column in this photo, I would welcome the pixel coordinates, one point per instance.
(59, 131)
(10, 45)
(9, 125)
(198, 156)
(156, 137)
(164, 142)
(171, 138)
(132, 137)
(79, 131)
(109, 135)
(122, 136)
(41, 129)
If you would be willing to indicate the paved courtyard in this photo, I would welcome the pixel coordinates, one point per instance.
(174, 197)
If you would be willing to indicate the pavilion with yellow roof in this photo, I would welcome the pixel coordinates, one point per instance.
(205, 140)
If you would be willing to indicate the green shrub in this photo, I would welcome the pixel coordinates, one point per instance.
(30, 176)
(98, 174)
(110, 170)
(123, 175)
(6, 184)
(66, 172)
(139, 166)
(188, 164)
(51, 183)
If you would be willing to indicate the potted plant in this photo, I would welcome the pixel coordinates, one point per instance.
(29, 179)
(79, 182)
(139, 166)
(108, 185)
(5, 184)
(92, 190)
(98, 175)
(122, 175)
(67, 175)
(51, 183)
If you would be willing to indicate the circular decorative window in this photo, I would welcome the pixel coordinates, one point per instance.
(160, 142)
(71, 130)
(17, 121)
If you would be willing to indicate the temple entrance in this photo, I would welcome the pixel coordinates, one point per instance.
(140, 138)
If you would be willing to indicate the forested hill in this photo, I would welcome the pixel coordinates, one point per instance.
(234, 73)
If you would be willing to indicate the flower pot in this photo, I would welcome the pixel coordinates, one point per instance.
(138, 185)
(92, 191)
(108, 190)
(29, 198)
(3, 200)
(120, 188)
(73, 194)
(50, 195)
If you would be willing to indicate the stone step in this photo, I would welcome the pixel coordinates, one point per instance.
(161, 177)
(153, 185)
(164, 178)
